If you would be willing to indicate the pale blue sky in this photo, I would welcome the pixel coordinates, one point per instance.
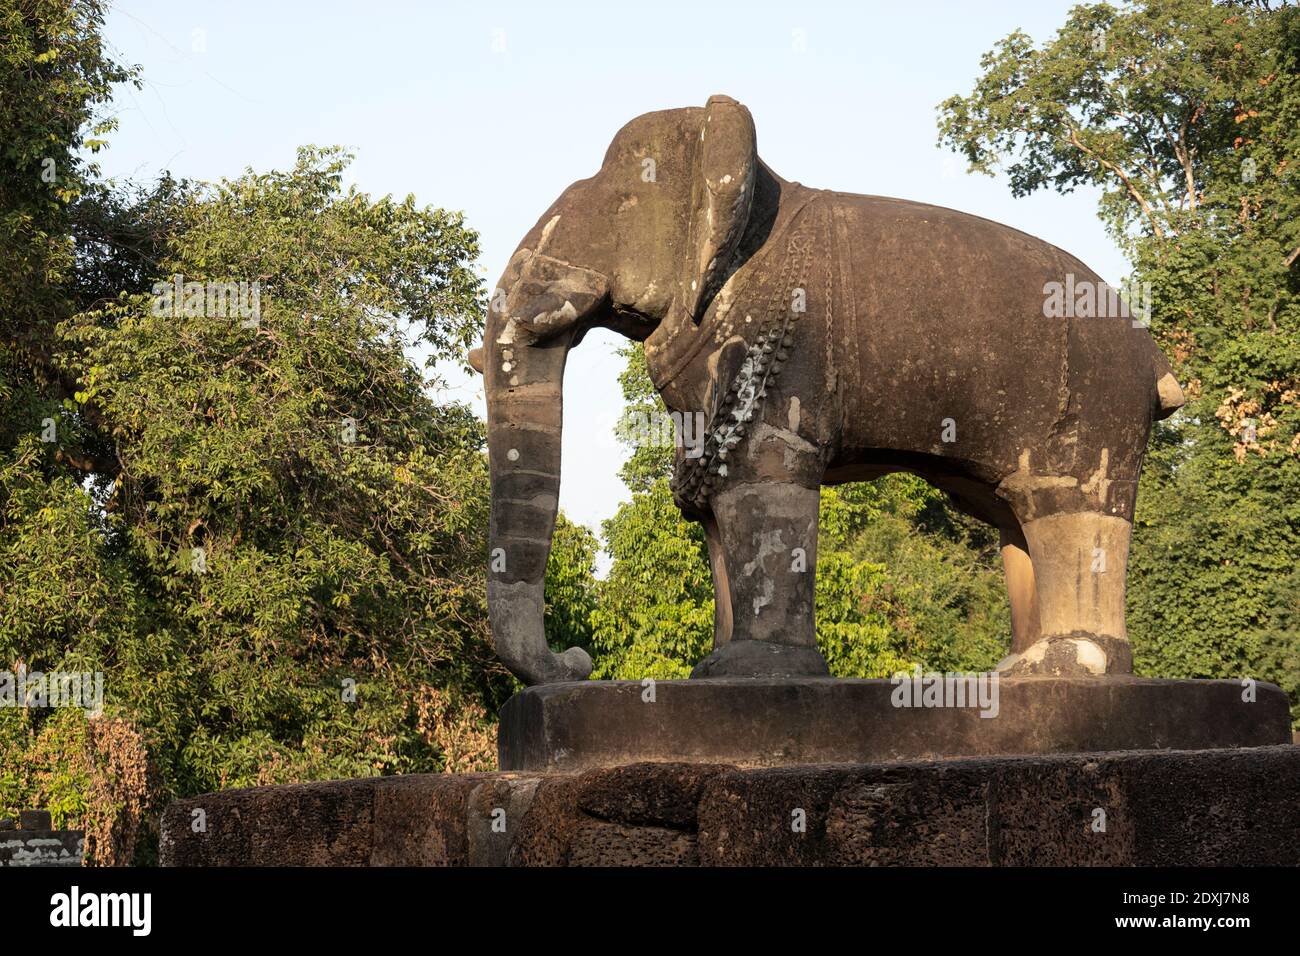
(494, 108)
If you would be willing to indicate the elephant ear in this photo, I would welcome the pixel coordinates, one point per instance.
(722, 194)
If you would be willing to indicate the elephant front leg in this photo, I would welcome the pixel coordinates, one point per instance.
(721, 587)
(766, 533)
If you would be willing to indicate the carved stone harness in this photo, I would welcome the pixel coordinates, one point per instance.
(695, 480)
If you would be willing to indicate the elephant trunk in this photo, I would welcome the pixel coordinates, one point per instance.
(524, 388)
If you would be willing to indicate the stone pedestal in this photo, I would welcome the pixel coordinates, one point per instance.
(1155, 808)
(807, 771)
(785, 721)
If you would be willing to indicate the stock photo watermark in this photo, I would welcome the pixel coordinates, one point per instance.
(1086, 299)
(933, 689)
(685, 430)
(178, 299)
(53, 689)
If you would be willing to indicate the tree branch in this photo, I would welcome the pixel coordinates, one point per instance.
(1124, 177)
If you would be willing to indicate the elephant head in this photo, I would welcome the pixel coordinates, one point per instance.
(644, 243)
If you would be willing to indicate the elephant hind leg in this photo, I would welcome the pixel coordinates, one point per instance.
(1079, 562)
(1021, 589)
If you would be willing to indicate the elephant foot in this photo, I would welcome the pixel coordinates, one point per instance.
(1070, 655)
(740, 658)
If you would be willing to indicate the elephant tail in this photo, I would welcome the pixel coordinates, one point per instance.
(1169, 394)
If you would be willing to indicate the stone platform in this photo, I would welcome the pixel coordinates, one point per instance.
(1153, 808)
(788, 721)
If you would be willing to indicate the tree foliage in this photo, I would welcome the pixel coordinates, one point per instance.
(56, 79)
(249, 516)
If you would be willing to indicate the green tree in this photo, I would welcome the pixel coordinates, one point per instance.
(654, 616)
(922, 582)
(248, 513)
(305, 523)
(1186, 115)
(654, 613)
(56, 79)
(570, 586)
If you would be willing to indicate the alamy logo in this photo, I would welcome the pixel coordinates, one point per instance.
(933, 689)
(40, 689)
(213, 300)
(1085, 299)
(75, 908)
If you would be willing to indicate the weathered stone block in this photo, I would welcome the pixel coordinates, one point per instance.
(846, 816)
(1168, 808)
(1051, 812)
(420, 820)
(495, 816)
(1224, 808)
(314, 824)
(611, 844)
(1207, 808)
(35, 820)
(655, 794)
(546, 835)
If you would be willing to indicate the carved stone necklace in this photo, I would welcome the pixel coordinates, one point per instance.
(695, 480)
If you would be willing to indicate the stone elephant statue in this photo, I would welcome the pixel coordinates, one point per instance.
(821, 337)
